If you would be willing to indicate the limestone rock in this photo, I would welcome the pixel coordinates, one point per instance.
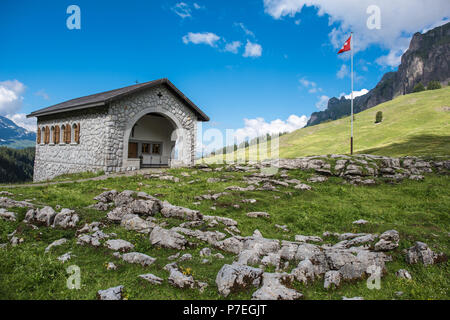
(205, 252)
(114, 293)
(139, 258)
(55, 244)
(301, 238)
(235, 277)
(136, 223)
(167, 238)
(332, 277)
(66, 218)
(388, 241)
(65, 257)
(10, 216)
(119, 245)
(420, 252)
(151, 278)
(170, 211)
(274, 287)
(404, 274)
(258, 215)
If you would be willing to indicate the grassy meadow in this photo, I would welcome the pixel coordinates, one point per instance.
(418, 210)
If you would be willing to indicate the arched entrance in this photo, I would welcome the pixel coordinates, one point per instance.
(151, 138)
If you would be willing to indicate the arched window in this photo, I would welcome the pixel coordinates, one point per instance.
(38, 136)
(67, 134)
(63, 131)
(56, 135)
(76, 128)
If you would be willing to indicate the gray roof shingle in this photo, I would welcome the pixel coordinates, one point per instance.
(102, 98)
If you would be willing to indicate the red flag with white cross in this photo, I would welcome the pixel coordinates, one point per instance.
(346, 46)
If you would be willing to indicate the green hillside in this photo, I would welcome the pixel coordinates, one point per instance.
(414, 124)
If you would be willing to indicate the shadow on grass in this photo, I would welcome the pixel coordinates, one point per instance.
(420, 145)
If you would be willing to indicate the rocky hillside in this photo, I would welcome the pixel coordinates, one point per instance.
(14, 136)
(315, 229)
(425, 60)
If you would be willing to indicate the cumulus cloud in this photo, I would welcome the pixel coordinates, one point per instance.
(399, 20)
(11, 96)
(43, 94)
(11, 100)
(343, 71)
(258, 127)
(252, 50)
(233, 46)
(310, 85)
(197, 6)
(207, 38)
(22, 121)
(355, 94)
(322, 104)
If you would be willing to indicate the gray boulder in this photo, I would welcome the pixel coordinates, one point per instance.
(66, 218)
(167, 238)
(119, 245)
(274, 287)
(235, 277)
(170, 211)
(420, 252)
(55, 244)
(139, 258)
(151, 278)
(388, 241)
(114, 293)
(10, 216)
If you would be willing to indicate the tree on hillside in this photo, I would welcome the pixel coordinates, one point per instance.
(379, 117)
(16, 165)
(434, 85)
(419, 87)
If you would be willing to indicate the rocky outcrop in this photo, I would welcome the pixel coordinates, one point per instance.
(427, 59)
(236, 277)
(420, 252)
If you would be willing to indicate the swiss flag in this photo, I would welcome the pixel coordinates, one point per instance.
(346, 46)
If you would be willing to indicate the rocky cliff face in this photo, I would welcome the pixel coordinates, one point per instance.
(426, 59)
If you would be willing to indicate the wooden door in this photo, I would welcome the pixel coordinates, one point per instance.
(132, 150)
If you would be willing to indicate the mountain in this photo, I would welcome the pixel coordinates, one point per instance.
(12, 135)
(426, 59)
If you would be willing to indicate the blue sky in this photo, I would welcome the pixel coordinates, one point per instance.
(291, 62)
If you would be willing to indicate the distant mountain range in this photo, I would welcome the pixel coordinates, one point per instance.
(427, 59)
(11, 135)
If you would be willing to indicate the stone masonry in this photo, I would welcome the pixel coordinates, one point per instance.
(104, 133)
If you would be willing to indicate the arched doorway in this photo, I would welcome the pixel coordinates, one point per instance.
(151, 138)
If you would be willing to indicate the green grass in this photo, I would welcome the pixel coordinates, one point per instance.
(415, 124)
(418, 210)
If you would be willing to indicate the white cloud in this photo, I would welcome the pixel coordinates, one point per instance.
(322, 104)
(298, 21)
(343, 71)
(11, 100)
(197, 6)
(207, 38)
(310, 85)
(393, 58)
(259, 127)
(355, 94)
(233, 46)
(252, 50)
(22, 121)
(399, 20)
(244, 28)
(43, 94)
(11, 96)
(182, 10)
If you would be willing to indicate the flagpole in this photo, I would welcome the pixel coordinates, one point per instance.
(351, 136)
